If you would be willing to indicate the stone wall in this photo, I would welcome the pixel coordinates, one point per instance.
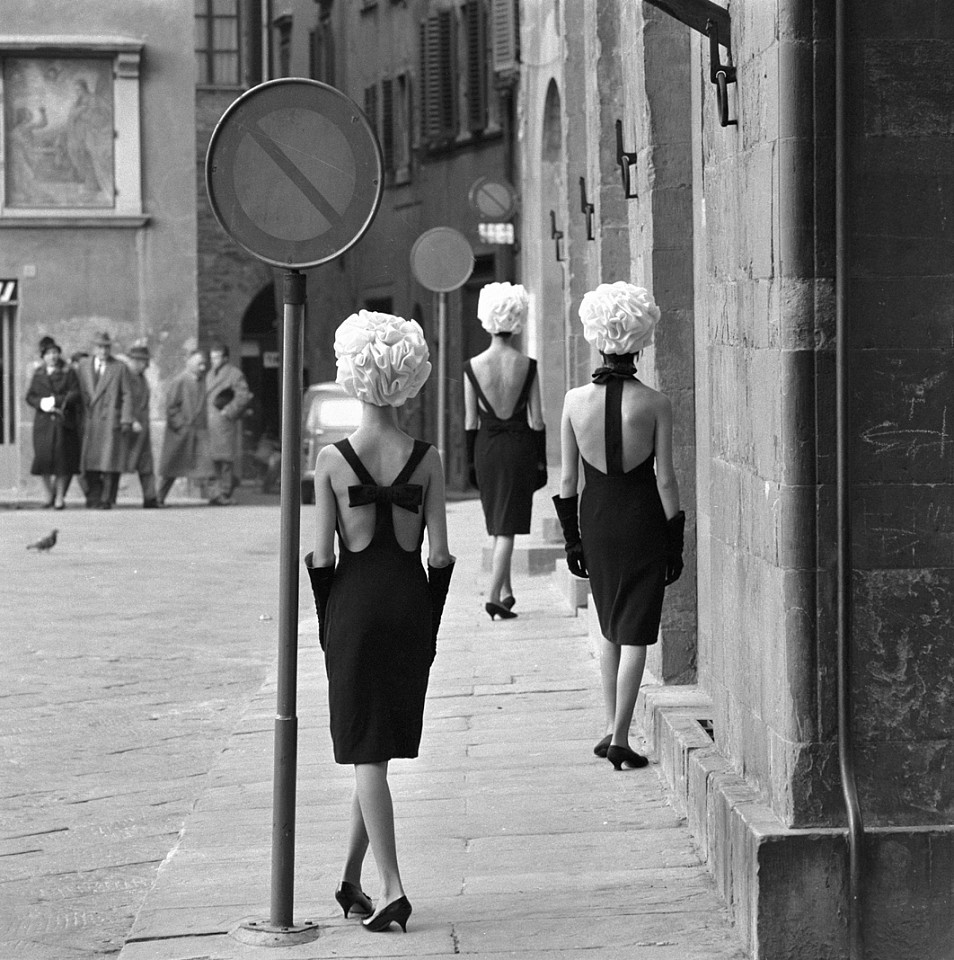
(902, 384)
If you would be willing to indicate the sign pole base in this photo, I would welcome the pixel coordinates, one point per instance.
(263, 933)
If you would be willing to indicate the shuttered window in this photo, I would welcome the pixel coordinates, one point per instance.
(439, 112)
(475, 26)
(504, 36)
(371, 107)
(387, 124)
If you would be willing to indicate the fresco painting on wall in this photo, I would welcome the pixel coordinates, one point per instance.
(58, 132)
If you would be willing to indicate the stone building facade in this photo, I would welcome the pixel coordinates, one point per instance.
(733, 229)
(386, 57)
(97, 203)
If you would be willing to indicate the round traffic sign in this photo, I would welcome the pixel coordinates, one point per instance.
(493, 199)
(442, 259)
(293, 172)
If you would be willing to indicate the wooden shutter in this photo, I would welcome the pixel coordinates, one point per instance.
(387, 124)
(438, 77)
(371, 107)
(475, 22)
(504, 35)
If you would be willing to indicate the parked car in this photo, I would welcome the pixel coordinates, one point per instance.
(328, 415)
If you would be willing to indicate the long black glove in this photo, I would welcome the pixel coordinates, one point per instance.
(471, 437)
(438, 582)
(321, 580)
(675, 530)
(567, 512)
(540, 445)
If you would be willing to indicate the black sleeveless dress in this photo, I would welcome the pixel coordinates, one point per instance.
(505, 458)
(378, 640)
(623, 528)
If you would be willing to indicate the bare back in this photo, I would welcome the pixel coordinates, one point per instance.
(501, 374)
(586, 411)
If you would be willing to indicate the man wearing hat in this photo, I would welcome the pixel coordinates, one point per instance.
(138, 454)
(107, 404)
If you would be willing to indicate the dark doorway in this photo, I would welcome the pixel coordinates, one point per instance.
(261, 364)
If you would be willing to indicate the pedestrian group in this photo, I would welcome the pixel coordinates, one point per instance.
(378, 492)
(93, 420)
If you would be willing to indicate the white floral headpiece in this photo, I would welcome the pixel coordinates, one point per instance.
(382, 359)
(619, 317)
(502, 307)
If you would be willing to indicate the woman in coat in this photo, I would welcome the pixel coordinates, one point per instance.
(55, 395)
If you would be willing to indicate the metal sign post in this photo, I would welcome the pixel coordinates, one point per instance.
(293, 173)
(442, 260)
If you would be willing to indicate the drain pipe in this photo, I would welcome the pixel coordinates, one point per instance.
(842, 398)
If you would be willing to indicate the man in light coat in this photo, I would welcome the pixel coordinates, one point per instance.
(227, 396)
(139, 442)
(185, 443)
(107, 409)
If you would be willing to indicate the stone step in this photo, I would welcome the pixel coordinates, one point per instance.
(574, 591)
(534, 559)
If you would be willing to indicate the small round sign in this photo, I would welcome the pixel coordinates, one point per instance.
(493, 199)
(294, 172)
(442, 259)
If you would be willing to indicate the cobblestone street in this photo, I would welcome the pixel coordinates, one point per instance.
(129, 650)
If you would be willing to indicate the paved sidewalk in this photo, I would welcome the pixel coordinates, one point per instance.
(513, 838)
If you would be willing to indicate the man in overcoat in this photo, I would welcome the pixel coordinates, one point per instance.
(107, 414)
(185, 442)
(139, 442)
(227, 396)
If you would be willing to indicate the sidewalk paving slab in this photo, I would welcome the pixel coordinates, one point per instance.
(514, 840)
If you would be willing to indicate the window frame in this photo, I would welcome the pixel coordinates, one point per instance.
(125, 54)
(207, 78)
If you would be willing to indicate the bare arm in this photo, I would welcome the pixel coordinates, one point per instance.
(665, 471)
(570, 454)
(470, 405)
(326, 510)
(435, 511)
(535, 405)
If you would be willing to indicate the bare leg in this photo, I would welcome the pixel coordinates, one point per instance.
(631, 662)
(609, 670)
(500, 574)
(50, 493)
(62, 485)
(374, 795)
(357, 844)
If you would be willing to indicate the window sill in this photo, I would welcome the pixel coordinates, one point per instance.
(47, 221)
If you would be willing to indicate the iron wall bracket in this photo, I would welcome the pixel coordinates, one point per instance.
(713, 21)
(627, 161)
(556, 236)
(587, 209)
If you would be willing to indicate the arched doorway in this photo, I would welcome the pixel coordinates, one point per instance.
(261, 364)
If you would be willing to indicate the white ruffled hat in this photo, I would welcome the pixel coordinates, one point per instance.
(382, 359)
(502, 307)
(619, 317)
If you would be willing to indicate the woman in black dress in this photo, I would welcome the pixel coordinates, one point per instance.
(508, 451)
(55, 395)
(378, 610)
(628, 539)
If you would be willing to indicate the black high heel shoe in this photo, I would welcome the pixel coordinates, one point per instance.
(395, 912)
(499, 610)
(349, 896)
(508, 602)
(620, 755)
(601, 748)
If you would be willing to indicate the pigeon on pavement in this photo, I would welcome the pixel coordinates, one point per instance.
(44, 543)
